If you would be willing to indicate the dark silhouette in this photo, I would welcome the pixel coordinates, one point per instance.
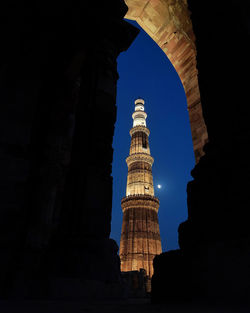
(57, 93)
(214, 248)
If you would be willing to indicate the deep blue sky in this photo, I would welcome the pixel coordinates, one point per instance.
(146, 72)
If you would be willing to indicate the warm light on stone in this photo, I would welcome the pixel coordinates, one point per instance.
(140, 237)
(168, 23)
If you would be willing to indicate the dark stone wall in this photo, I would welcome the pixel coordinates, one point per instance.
(57, 112)
(57, 70)
(214, 241)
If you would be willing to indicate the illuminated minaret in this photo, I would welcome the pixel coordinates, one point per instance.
(140, 237)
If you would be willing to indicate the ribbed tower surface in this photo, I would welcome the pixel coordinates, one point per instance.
(140, 237)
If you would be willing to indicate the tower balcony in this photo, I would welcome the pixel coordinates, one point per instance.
(140, 157)
(139, 128)
(140, 201)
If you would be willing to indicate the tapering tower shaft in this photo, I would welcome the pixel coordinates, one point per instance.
(140, 237)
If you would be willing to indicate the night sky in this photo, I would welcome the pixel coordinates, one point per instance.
(146, 72)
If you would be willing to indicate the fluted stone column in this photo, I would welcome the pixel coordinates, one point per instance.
(140, 238)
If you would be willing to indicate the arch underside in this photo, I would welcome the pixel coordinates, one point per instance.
(168, 23)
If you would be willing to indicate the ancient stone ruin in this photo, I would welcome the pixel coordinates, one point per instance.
(57, 114)
(140, 236)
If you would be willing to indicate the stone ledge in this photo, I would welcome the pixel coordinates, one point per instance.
(138, 129)
(135, 201)
(140, 157)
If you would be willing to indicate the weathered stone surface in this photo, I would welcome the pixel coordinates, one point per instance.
(171, 280)
(215, 239)
(140, 237)
(135, 283)
(168, 23)
(58, 94)
(57, 70)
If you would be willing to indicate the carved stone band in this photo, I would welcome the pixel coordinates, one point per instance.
(139, 129)
(140, 157)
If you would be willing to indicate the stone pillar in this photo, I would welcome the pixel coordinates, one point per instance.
(217, 228)
(214, 241)
(37, 113)
(90, 262)
(58, 90)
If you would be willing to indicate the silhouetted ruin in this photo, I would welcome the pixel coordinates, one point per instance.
(57, 113)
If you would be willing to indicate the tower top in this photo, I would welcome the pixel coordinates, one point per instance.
(139, 116)
(139, 100)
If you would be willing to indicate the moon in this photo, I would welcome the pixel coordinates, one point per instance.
(159, 186)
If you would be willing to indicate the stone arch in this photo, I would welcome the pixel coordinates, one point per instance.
(168, 23)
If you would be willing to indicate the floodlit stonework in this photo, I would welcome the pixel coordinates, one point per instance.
(140, 238)
(55, 226)
(168, 23)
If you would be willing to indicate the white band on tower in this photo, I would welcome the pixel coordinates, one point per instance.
(139, 116)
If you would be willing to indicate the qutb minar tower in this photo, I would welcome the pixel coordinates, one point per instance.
(140, 237)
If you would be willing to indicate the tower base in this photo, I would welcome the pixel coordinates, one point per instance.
(140, 239)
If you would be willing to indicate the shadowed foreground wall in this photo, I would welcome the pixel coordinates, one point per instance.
(168, 23)
(57, 113)
(57, 73)
(214, 257)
